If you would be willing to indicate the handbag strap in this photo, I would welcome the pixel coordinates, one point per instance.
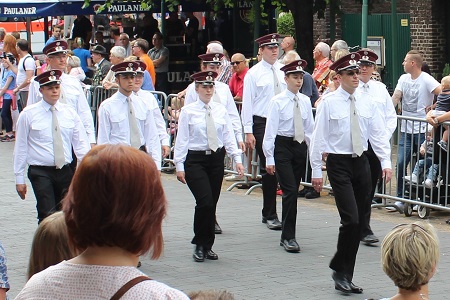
(128, 286)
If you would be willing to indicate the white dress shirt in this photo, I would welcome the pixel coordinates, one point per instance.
(280, 121)
(34, 139)
(71, 93)
(192, 131)
(149, 98)
(222, 91)
(114, 127)
(377, 92)
(332, 130)
(258, 90)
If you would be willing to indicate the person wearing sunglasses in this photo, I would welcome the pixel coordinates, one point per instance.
(240, 68)
(343, 125)
(376, 92)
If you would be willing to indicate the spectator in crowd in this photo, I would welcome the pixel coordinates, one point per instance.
(225, 69)
(100, 40)
(191, 36)
(128, 23)
(56, 34)
(140, 48)
(240, 68)
(211, 295)
(125, 43)
(7, 96)
(115, 35)
(47, 152)
(74, 67)
(4, 283)
(322, 69)
(25, 70)
(287, 44)
(337, 45)
(114, 211)
(409, 256)
(82, 27)
(415, 90)
(147, 28)
(2, 36)
(174, 27)
(10, 46)
(443, 106)
(101, 64)
(16, 34)
(116, 56)
(50, 244)
(160, 57)
(84, 56)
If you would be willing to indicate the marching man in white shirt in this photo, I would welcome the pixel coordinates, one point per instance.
(148, 97)
(125, 118)
(289, 128)
(343, 125)
(46, 133)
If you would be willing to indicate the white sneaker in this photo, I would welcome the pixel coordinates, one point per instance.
(415, 207)
(428, 183)
(412, 178)
(399, 204)
(233, 178)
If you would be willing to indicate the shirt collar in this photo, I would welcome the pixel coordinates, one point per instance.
(344, 93)
(242, 74)
(122, 97)
(266, 64)
(47, 106)
(362, 83)
(200, 104)
(290, 94)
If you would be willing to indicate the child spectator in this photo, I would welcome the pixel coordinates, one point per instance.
(4, 284)
(443, 106)
(50, 244)
(426, 163)
(8, 83)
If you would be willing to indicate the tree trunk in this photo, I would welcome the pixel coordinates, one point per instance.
(302, 11)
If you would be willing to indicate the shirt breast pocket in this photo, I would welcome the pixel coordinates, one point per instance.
(286, 116)
(42, 130)
(119, 124)
(338, 123)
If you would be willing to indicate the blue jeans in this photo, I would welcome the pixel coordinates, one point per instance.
(407, 145)
(428, 166)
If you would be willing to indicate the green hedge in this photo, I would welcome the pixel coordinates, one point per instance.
(285, 24)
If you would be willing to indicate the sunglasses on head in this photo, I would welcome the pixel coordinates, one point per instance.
(352, 72)
(236, 62)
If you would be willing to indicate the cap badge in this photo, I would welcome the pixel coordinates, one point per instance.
(352, 62)
(209, 78)
(299, 68)
(216, 58)
(52, 78)
(365, 57)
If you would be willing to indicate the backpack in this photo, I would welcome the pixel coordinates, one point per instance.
(23, 64)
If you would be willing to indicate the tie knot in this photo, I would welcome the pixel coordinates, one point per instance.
(128, 99)
(207, 107)
(295, 98)
(352, 98)
(52, 108)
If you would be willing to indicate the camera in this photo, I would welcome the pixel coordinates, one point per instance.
(9, 56)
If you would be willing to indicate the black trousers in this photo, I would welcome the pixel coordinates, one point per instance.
(49, 186)
(351, 183)
(269, 182)
(375, 175)
(290, 165)
(204, 175)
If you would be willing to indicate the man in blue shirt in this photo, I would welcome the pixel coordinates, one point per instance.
(56, 34)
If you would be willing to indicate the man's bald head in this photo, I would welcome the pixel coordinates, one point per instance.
(288, 44)
(237, 57)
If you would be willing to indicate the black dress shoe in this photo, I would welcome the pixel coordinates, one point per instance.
(211, 255)
(217, 229)
(199, 254)
(303, 192)
(356, 289)
(370, 239)
(290, 245)
(341, 283)
(274, 224)
(264, 220)
(313, 194)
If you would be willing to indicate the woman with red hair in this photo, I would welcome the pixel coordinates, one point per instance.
(114, 211)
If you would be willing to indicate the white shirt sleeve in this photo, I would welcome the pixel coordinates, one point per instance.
(182, 141)
(21, 147)
(104, 126)
(273, 118)
(247, 103)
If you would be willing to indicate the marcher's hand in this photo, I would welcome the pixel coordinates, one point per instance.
(165, 151)
(21, 190)
(180, 176)
(317, 184)
(324, 156)
(387, 174)
(240, 169)
(242, 146)
(250, 141)
(270, 169)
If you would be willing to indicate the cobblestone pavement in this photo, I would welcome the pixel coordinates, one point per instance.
(251, 263)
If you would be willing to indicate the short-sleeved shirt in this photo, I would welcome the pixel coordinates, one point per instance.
(157, 53)
(237, 83)
(28, 62)
(83, 55)
(417, 95)
(4, 283)
(443, 102)
(6, 74)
